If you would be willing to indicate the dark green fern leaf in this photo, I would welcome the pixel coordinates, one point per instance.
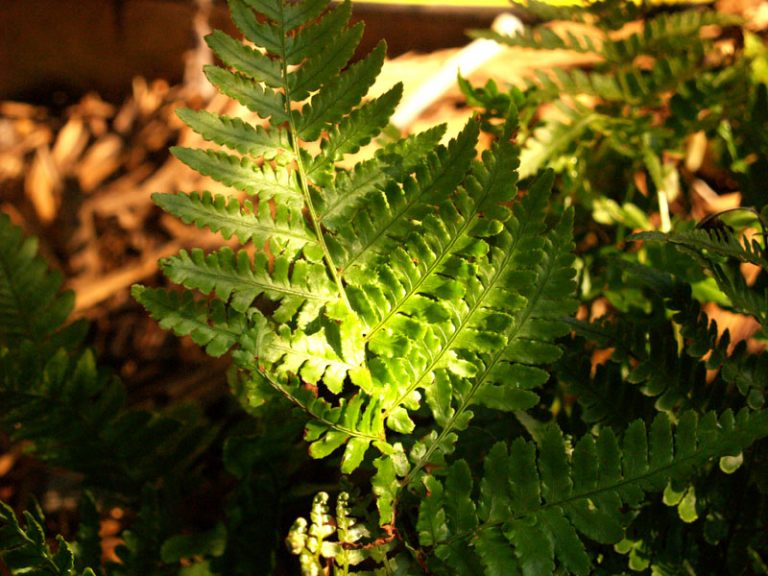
(31, 304)
(25, 549)
(539, 506)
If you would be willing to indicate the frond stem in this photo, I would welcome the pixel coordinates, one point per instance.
(301, 177)
(286, 393)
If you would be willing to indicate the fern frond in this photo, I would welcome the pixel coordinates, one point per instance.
(367, 239)
(282, 228)
(238, 279)
(262, 100)
(717, 252)
(243, 174)
(73, 415)
(326, 538)
(630, 85)
(543, 38)
(503, 377)
(370, 181)
(354, 423)
(706, 242)
(539, 505)
(328, 350)
(340, 96)
(212, 324)
(665, 35)
(362, 124)
(235, 133)
(25, 549)
(665, 358)
(554, 140)
(31, 305)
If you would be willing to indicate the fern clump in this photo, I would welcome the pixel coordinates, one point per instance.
(390, 299)
(404, 316)
(365, 290)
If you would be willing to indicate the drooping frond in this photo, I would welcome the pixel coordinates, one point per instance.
(665, 358)
(720, 252)
(536, 505)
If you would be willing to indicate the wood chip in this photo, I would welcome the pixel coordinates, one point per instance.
(11, 166)
(70, 143)
(90, 292)
(100, 162)
(695, 152)
(43, 185)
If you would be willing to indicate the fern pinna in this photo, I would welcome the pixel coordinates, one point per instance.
(390, 299)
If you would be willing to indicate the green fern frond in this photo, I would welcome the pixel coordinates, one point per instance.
(715, 243)
(236, 133)
(74, 416)
(543, 38)
(326, 109)
(355, 423)
(369, 182)
(665, 357)
(238, 279)
(535, 507)
(555, 139)
(665, 35)
(631, 85)
(31, 304)
(25, 549)
(720, 252)
(262, 100)
(281, 228)
(365, 239)
(208, 324)
(243, 174)
(503, 378)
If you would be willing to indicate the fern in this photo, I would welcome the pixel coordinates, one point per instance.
(665, 357)
(400, 299)
(31, 307)
(717, 250)
(25, 549)
(372, 293)
(533, 510)
(404, 308)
